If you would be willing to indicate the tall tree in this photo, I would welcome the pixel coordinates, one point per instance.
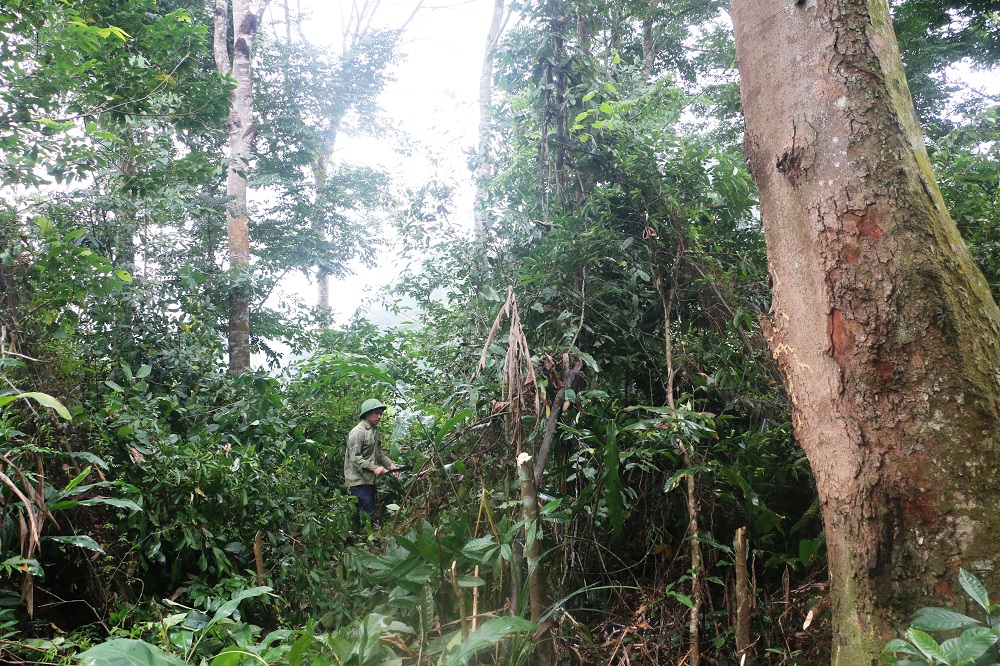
(246, 18)
(484, 167)
(884, 328)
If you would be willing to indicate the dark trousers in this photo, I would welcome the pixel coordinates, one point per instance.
(366, 503)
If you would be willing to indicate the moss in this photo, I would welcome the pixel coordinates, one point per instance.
(858, 640)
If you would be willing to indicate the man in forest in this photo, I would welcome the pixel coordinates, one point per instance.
(364, 459)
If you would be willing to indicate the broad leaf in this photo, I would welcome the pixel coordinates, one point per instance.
(492, 632)
(228, 608)
(899, 645)
(941, 619)
(112, 501)
(43, 399)
(127, 652)
(928, 647)
(80, 540)
(971, 645)
(974, 589)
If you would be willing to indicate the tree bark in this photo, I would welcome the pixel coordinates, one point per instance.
(885, 330)
(246, 20)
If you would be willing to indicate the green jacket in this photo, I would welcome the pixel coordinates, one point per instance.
(364, 453)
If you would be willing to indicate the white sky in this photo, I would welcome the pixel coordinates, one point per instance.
(434, 98)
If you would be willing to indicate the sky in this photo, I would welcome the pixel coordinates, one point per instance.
(434, 98)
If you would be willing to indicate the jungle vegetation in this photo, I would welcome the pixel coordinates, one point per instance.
(601, 312)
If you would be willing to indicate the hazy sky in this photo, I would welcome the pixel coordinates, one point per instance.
(434, 99)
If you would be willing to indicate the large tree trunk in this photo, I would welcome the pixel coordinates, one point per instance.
(241, 133)
(883, 326)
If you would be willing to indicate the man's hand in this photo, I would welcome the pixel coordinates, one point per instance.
(379, 471)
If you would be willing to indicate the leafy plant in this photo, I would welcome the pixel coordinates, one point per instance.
(977, 644)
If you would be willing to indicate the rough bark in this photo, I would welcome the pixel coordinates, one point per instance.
(246, 20)
(884, 328)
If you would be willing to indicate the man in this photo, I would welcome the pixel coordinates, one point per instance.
(364, 459)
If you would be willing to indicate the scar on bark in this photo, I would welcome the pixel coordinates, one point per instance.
(242, 47)
(840, 334)
(790, 164)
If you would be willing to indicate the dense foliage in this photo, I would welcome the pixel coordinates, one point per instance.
(153, 507)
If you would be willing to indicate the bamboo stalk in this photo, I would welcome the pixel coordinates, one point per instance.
(475, 600)
(461, 599)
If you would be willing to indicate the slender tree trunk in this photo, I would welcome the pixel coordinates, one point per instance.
(246, 20)
(885, 330)
(667, 300)
(648, 52)
(744, 600)
(537, 594)
(484, 167)
(322, 276)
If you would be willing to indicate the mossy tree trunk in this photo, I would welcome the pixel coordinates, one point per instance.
(885, 330)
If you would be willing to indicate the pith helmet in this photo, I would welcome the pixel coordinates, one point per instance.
(370, 405)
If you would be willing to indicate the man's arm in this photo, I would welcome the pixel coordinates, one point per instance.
(385, 460)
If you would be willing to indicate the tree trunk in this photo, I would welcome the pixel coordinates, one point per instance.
(484, 167)
(537, 593)
(884, 328)
(241, 134)
(322, 276)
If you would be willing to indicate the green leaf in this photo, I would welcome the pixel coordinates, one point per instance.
(90, 457)
(469, 581)
(127, 652)
(899, 645)
(974, 589)
(79, 540)
(477, 545)
(77, 481)
(928, 647)
(228, 608)
(123, 275)
(683, 598)
(112, 501)
(298, 649)
(489, 634)
(231, 656)
(971, 645)
(450, 424)
(143, 372)
(43, 399)
(612, 481)
(606, 107)
(941, 619)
